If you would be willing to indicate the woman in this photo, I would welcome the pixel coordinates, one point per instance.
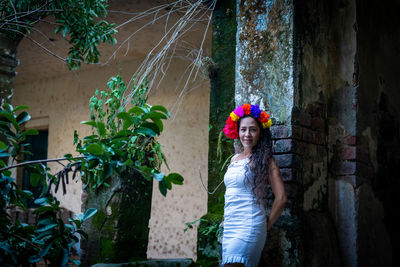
(245, 224)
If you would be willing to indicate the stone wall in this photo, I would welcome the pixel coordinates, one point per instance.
(27, 216)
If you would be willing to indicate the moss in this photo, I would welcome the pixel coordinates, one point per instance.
(107, 248)
(98, 219)
(221, 104)
(221, 94)
(284, 246)
(119, 231)
(252, 38)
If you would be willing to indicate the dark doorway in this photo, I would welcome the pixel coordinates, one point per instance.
(38, 147)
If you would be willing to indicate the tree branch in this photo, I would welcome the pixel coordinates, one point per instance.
(38, 161)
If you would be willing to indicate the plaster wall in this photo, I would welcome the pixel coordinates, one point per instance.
(59, 98)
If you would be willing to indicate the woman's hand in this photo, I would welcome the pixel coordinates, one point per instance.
(278, 189)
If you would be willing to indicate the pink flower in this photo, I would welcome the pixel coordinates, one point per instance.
(239, 111)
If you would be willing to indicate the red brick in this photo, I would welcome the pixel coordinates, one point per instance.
(287, 160)
(31, 217)
(308, 135)
(365, 171)
(279, 132)
(351, 179)
(283, 146)
(321, 151)
(64, 215)
(283, 132)
(20, 215)
(288, 174)
(12, 213)
(348, 153)
(363, 155)
(304, 119)
(351, 140)
(297, 132)
(317, 124)
(354, 180)
(315, 110)
(319, 138)
(346, 167)
(291, 189)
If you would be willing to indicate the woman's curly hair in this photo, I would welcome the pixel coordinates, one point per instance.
(260, 158)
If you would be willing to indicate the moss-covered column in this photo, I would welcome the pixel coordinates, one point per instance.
(222, 93)
(265, 76)
(222, 77)
(119, 231)
(8, 63)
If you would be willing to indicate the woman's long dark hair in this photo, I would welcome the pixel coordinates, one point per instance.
(260, 158)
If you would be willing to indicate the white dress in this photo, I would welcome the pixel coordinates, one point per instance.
(245, 228)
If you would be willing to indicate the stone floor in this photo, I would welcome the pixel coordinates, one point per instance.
(151, 263)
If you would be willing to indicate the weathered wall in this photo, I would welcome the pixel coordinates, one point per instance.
(326, 116)
(347, 57)
(264, 56)
(58, 100)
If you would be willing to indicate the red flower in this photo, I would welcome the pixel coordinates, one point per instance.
(263, 117)
(247, 109)
(230, 129)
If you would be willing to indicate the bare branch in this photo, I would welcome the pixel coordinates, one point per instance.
(40, 45)
(37, 162)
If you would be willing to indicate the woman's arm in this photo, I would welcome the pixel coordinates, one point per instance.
(278, 189)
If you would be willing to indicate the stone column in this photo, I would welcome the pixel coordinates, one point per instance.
(119, 231)
(265, 76)
(222, 79)
(8, 63)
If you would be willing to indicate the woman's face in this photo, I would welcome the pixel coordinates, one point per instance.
(249, 132)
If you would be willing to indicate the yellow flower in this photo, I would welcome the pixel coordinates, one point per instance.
(267, 124)
(234, 117)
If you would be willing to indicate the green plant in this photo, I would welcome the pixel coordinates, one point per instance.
(77, 20)
(50, 239)
(209, 241)
(123, 138)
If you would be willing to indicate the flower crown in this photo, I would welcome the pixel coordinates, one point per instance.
(230, 129)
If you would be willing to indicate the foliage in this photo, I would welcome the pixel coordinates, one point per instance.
(209, 241)
(123, 139)
(75, 19)
(210, 226)
(50, 239)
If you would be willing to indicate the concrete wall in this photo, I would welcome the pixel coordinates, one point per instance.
(58, 101)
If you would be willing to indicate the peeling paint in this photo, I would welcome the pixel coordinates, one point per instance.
(264, 57)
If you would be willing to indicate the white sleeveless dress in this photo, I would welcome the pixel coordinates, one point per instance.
(245, 229)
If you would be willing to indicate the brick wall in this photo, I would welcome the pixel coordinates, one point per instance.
(27, 216)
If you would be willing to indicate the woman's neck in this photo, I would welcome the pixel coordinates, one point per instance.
(246, 153)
